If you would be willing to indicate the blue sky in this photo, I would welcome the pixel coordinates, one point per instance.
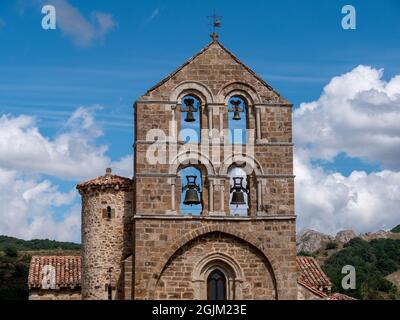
(296, 46)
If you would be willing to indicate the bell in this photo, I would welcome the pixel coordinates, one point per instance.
(237, 198)
(190, 108)
(191, 198)
(236, 115)
(190, 117)
(238, 192)
(236, 110)
(192, 189)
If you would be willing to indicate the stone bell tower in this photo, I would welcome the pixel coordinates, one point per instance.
(106, 235)
(221, 240)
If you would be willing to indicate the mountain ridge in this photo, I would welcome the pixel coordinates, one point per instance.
(310, 241)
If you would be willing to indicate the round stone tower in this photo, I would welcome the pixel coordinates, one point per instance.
(106, 235)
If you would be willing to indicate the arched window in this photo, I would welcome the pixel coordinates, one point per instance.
(237, 120)
(192, 190)
(238, 196)
(216, 286)
(109, 292)
(190, 119)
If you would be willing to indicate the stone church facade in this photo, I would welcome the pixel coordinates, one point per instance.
(138, 242)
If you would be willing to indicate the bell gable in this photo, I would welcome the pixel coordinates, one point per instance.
(218, 70)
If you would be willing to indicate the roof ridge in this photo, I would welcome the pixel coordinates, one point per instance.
(105, 180)
(55, 256)
(237, 60)
(312, 289)
(253, 73)
(188, 61)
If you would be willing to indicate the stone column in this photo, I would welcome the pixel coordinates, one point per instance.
(222, 195)
(259, 195)
(210, 118)
(221, 123)
(173, 183)
(174, 126)
(258, 122)
(211, 196)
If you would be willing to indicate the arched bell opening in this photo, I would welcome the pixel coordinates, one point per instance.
(191, 200)
(239, 191)
(190, 119)
(238, 120)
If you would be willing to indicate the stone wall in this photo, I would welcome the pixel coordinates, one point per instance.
(62, 294)
(153, 182)
(105, 242)
(160, 241)
(167, 244)
(179, 281)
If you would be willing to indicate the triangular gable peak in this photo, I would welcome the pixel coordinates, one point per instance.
(219, 72)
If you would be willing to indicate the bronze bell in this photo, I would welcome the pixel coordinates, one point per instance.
(238, 192)
(192, 191)
(237, 198)
(236, 115)
(190, 117)
(236, 110)
(190, 109)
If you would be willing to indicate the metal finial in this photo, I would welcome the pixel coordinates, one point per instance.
(216, 23)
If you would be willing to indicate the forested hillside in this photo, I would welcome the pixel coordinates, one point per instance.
(15, 255)
(23, 245)
(373, 261)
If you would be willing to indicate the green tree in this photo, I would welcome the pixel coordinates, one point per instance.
(396, 229)
(331, 245)
(11, 251)
(373, 261)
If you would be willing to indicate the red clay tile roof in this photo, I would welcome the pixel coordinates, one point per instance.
(108, 180)
(340, 296)
(63, 271)
(314, 290)
(311, 273)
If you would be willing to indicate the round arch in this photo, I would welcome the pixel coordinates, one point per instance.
(271, 263)
(213, 257)
(238, 89)
(191, 157)
(251, 164)
(229, 267)
(192, 88)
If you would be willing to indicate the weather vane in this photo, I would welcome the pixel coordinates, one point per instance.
(216, 23)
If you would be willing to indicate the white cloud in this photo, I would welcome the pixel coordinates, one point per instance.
(83, 31)
(358, 113)
(31, 206)
(72, 154)
(28, 205)
(123, 166)
(329, 202)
